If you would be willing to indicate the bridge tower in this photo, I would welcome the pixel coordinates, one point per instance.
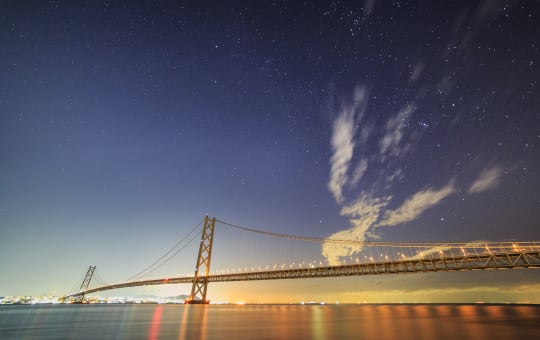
(85, 284)
(200, 280)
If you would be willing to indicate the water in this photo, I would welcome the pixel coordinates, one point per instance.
(270, 322)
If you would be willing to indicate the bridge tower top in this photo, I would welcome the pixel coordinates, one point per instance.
(202, 270)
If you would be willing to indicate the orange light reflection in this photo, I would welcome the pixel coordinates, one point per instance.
(153, 334)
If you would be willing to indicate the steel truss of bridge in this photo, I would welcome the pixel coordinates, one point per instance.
(510, 260)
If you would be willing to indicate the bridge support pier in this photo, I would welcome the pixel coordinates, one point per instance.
(202, 270)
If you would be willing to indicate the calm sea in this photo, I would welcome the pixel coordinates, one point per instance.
(270, 322)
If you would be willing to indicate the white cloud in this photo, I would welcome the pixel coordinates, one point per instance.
(359, 171)
(369, 212)
(488, 179)
(365, 132)
(415, 205)
(334, 251)
(343, 146)
(365, 206)
(343, 143)
(394, 132)
(364, 212)
(397, 174)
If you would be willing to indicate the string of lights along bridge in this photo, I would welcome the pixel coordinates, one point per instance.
(342, 258)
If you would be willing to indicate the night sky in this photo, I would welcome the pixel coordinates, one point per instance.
(122, 124)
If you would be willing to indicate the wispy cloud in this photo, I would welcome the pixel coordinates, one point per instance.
(417, 72)
(365, 217)
(415, 205)
(348, 171)
(359, 171)
(365, 206)
(397, 174)
(373, 155)
(343, 143)
(363, 213)
(488, 179)
(343, 147)
(391, 143)
(333, 252)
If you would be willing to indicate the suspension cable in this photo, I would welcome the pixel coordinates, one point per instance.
(147, 269)
(76, 285)
(301, 238)
(172, 256)
(98, 278)
(474, 244)
(268, 233)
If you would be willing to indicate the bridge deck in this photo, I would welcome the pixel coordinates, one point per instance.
(522, 259)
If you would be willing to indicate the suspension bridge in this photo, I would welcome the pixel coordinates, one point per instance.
(363, 258)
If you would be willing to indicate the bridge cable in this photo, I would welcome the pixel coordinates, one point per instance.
(147, 269)
(294, 237)
(473, 244)
(76, 285)
(302, 238)
(173, 255)
(97, 278)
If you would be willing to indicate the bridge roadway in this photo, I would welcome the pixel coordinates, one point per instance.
(510, 260)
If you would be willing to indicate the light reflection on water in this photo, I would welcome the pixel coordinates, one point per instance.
(269, 322)
(156, 323)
